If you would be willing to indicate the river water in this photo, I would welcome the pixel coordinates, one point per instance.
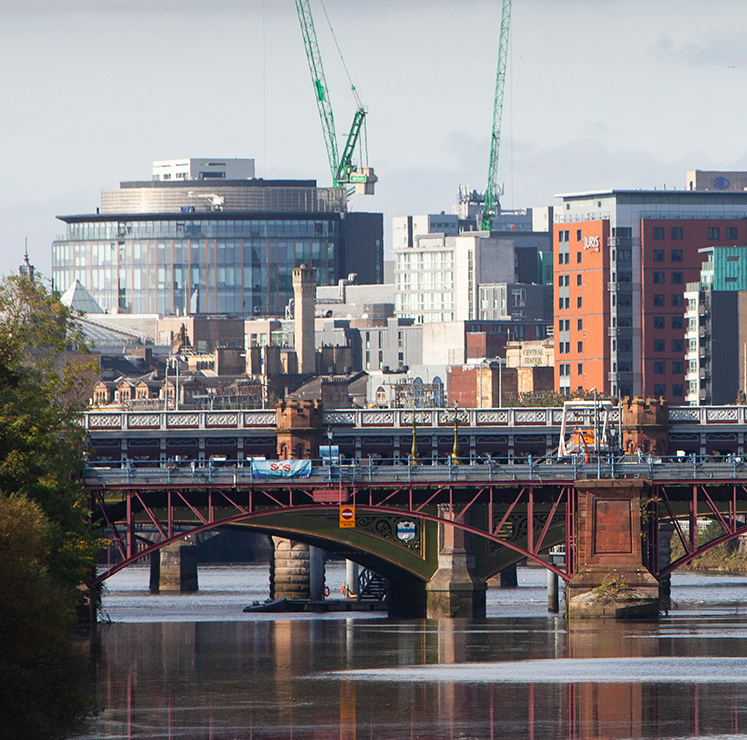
(195, 666)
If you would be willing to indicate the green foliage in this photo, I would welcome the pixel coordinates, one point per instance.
(44, 677)
(552, 399)
(41, 439)
(722, 557)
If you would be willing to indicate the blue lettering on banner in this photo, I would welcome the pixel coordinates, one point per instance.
(281, 468)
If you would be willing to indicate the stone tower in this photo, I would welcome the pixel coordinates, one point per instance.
(304, 292)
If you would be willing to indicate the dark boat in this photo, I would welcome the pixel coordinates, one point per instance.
(270, 605)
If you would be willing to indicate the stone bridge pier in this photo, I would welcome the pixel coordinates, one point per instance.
(454, 590)
(611, 578)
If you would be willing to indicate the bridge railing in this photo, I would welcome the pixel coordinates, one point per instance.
(525, 470)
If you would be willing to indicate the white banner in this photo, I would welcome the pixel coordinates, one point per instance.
(281, 468)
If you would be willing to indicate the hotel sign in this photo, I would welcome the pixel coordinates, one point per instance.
(591, 242)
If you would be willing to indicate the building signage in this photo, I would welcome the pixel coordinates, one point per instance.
(591, 242)
(281, 468)
(347, 517)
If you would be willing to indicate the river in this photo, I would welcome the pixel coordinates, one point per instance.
(195, 666)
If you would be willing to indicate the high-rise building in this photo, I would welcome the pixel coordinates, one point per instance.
(205, 237)
(716, 329)
(622, 261)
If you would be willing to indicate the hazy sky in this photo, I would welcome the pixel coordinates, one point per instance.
(599, 93)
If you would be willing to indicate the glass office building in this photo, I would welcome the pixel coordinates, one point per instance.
(202, 248)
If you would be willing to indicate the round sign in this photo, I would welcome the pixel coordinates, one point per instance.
(721, 183)
(346, 514)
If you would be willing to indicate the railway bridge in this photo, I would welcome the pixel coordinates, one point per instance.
(438, 531)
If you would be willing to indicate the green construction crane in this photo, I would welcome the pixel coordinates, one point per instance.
(342, 169)
(491, 204)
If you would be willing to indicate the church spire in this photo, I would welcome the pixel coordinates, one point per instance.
(26, 267)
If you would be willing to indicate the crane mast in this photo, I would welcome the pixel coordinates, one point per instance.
(492, 192)
(343, 172)
(320, 83)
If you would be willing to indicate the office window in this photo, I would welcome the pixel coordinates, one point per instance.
(676, 278)
(560, 258)
(578, 235)
(678, 368)
(660, 389)
(578, 279)
(660, 368)
(567, 302)
(560, 281)
(677, 301)
(658, 232)
(567, 348)
(560, 325)
(678, 345)
(579, 302)
(580, 368)
(657, 255)
(660, 345)
(732, 233)
(714, 233)
(676, 255)
(677, 322)
(561, 303)
(580, 324)
(676, 233)
(567, 279)
(659, 278)
(678, 390)
(659, 299)
(659, 322)
(578, 257)
(580, 348)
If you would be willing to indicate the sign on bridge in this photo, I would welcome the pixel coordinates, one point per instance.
(281, 468)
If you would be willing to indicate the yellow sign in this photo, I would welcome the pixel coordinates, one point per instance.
(347, 517)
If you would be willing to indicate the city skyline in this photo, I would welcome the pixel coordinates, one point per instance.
(100, 89)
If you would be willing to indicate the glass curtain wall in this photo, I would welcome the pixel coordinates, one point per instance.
(241, 267)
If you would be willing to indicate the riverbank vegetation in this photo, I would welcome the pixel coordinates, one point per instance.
(47, 545)
(726, 557)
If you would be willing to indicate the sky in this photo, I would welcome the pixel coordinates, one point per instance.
(599, 94)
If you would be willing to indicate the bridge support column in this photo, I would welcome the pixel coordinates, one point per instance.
(174, 568)
(611, 579)
(291, 575)
(454, 590)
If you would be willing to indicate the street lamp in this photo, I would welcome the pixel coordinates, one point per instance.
(455, 449)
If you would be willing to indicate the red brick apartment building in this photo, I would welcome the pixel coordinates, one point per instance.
(622, 261)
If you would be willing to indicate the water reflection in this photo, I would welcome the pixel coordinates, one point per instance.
(369, 678)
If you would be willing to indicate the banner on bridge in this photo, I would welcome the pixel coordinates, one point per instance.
(281, 468)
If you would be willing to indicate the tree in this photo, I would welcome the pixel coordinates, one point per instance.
(41, 440)
(47, 544)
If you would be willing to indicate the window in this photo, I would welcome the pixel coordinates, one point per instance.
(658, 255)
(658, 232)
(676, 233)
(660, 389)
(677, 278)
(578, 279)
(732, 259)
(567, 302)
(659, 299)
(676, 255)
(678, 390)
(677, 322)
(567, 348)
(659, 278)
(578, 257)
(580, 324)
(732, 233)
(561, 303)
(714, 233)
(678, 368)
(659, 322)
(560, 281)
(578, 235)
(660, 368)
(660, 345)
(567, 279)
(730, 280)
(579, 302)
(560, 325)
(624, 299)
(580, 348)
(678, 345)
(580, 368)
(677, 301)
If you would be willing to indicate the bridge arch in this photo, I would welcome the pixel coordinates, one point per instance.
(389, 565)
